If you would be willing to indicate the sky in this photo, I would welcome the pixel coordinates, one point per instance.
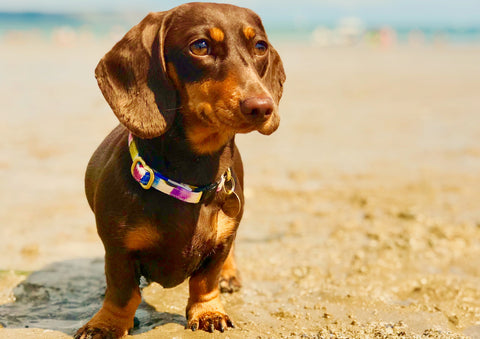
(303, 12)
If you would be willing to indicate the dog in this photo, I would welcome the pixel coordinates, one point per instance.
(166, 185)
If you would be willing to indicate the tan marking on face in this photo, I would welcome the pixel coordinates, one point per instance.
(142, 237)
(222, 96)
(249, 32)
(205, 108)
(217, 34)
(207, 141)
(211, 111)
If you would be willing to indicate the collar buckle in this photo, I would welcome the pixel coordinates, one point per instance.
(139, 160)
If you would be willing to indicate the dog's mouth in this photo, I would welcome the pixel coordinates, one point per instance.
(212, 127)
(264, 125)
(240, 119)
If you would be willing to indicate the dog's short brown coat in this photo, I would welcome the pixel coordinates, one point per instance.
(183, 103)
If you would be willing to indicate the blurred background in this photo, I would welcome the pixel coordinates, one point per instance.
(326, 22)
(362, 215)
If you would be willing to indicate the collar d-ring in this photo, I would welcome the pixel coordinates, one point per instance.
(229, 184)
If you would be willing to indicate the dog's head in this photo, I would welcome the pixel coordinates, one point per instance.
(212, 63)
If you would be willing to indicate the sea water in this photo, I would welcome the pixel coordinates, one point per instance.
(285, 28)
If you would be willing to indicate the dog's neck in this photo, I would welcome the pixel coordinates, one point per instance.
(172, 155)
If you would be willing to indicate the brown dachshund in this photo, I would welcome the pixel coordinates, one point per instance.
(166, 185)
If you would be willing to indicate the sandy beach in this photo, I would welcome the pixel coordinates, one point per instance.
(362, 217)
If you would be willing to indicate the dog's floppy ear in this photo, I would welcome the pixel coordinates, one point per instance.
(133, 79)
(275, 74)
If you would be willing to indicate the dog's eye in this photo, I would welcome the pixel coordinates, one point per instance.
(200, 47)
(261, 47)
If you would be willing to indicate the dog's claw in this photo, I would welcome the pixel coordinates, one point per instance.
(94, 333)
(211, 322)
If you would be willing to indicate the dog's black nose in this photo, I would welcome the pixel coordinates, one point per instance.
(257, 107)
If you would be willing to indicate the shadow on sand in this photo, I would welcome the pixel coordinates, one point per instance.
(65, 295)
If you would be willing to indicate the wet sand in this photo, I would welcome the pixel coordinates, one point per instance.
(362, 215)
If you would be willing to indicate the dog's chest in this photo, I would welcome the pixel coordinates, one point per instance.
(170, 249)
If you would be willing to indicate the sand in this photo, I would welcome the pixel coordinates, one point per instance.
(362, 216)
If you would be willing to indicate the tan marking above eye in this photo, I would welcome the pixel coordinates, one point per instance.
(217, 34)
(249, 32)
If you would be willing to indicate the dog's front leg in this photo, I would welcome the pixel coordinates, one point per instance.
(122, 298)
(205, 310)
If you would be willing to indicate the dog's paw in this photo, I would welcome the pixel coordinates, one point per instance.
(229, 284)
(87, 332)
(229, 279)
(208, 316)
(210, 321)
(107, 323)
(95, 330)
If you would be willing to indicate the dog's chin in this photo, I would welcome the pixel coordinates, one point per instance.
(270, 126)
(265, 127)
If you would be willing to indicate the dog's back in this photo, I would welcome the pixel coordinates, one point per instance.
(98, 162)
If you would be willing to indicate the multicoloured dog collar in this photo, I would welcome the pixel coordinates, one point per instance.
(148, 177)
